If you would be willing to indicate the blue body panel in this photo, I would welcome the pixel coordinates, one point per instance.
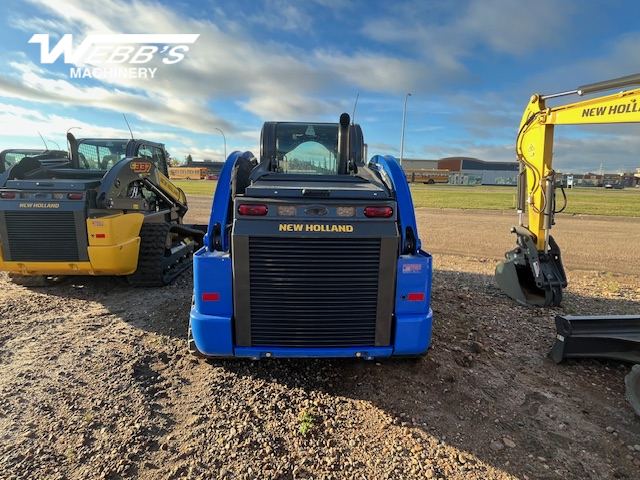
(388, 166)
(212, 334)
(221, 199)
(212, 313)
(413, 316)
(212, 303)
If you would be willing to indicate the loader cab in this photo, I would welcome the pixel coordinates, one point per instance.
(8, 158)
(305, 148)
(100, 154)
(88, 158)
(311, 148)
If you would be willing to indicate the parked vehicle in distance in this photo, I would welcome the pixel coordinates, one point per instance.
(188, 173)
(428, 176)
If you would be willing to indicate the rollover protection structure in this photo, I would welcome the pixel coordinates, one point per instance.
(311, 253)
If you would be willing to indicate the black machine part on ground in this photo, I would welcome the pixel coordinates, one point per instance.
(610, 336)
(529, 276)
(616, 337)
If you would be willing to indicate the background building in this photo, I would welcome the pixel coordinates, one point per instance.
(472, 171)
(469, 171)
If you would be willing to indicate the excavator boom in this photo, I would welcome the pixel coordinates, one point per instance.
(533, 273)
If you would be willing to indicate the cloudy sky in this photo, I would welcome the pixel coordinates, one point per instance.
(470, 66)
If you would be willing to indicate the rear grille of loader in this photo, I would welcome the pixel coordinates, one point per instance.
(313, 292)
(42, 236)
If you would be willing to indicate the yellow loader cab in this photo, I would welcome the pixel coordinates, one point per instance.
(108, 208)
(11, 156)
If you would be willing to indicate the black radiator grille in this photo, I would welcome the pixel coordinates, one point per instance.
(313, 292)
(42, 236)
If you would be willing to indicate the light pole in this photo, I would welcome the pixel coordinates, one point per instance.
(225, 142)
(404, 116)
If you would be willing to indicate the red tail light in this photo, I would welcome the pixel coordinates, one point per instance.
(416, 297)
(378, 212)
(75, 196)
(7, 195)
(253, 210)
(210, 297)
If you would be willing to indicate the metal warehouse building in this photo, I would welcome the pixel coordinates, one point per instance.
(469, 171)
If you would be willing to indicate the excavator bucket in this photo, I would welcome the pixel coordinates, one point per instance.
(517, 281)
(530, 277)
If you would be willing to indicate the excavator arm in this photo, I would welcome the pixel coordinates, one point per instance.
(533, 273)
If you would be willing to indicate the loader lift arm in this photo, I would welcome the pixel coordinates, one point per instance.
(532, 273)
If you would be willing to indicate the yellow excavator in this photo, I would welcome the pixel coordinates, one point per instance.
(532, 273)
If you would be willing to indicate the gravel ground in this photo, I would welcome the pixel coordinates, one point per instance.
(96, 382)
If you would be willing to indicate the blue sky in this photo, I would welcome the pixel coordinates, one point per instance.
(470, 66)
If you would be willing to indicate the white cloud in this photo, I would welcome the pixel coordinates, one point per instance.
(445, 34)
(228, 63)
(377, 73)
(513, 26)
(219, 66)
(24, 126)
(417, 46)
(289, 107)
(162, 107)
(21, 128)
(283, 15)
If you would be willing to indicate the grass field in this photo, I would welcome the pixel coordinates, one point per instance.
(196, 187)
(586, 201)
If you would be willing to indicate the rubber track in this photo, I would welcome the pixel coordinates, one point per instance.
(151, 270)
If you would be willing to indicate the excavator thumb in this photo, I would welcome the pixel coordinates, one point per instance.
(529, 276)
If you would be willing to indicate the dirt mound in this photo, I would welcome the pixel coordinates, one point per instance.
(96, 382)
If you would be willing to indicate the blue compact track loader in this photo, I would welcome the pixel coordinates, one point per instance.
(310, 252)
